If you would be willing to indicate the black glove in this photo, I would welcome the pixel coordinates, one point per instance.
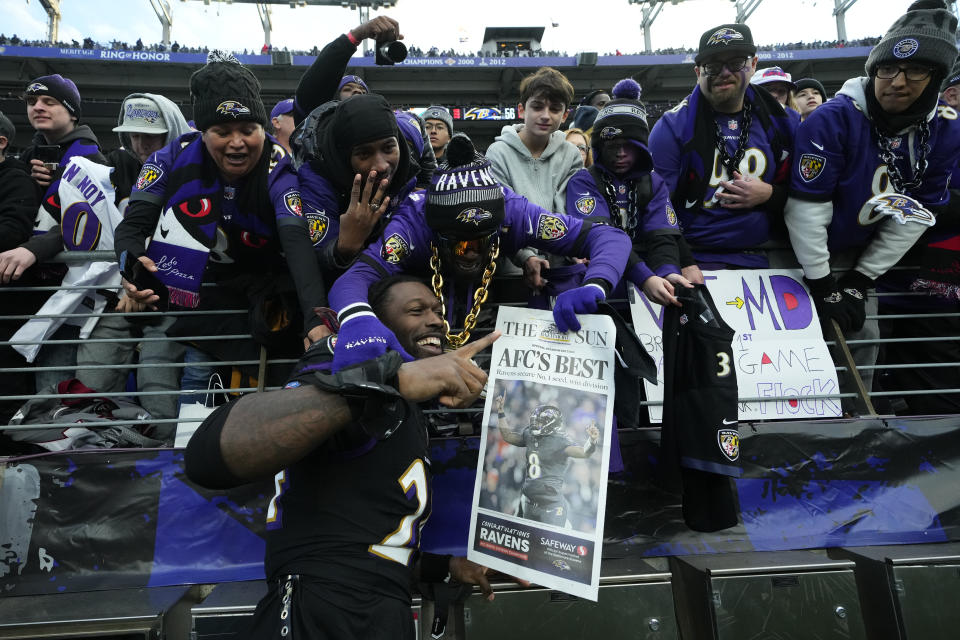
(370, 389)
(831, 303)
(853, 285)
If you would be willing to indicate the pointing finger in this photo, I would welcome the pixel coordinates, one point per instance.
(472, 349)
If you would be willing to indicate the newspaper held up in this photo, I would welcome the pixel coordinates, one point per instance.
(540, 493)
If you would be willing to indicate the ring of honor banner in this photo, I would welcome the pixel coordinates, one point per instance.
(540, 495)
(778, 347)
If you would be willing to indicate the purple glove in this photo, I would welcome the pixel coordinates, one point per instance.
(583, 299)
(639, 273)
(363, 337)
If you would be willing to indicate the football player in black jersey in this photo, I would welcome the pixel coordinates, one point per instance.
(343, 530)
(549, 449)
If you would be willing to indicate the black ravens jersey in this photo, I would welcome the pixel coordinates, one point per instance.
(351, 512)
(700, 409)
(546, 467)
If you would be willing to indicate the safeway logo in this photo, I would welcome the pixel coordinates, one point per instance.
(581, 550)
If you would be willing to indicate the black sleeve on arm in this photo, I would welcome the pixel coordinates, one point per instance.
(948, 215)
(603, 284)
(661, 249)
(46, 245)
(432, 567)
(203, 458)
(139, 223)
(18, 208)
(686, 254)
(302, 262)
(319, 82)
(427, 163)
(777, 201)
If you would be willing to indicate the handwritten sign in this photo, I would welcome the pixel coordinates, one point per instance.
(778, 347)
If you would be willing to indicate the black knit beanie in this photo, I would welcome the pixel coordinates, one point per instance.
(623, 117)
(59, 88)
(812, 83)
(357, 120)
(925, 33)
(224, 91)
(464, 199)
(363, 118)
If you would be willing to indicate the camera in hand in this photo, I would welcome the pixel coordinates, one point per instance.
(390, 52)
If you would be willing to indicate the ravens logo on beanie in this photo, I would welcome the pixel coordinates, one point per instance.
(61, 89)
(464, 199)
(925, 33)
(224, 91)
(622, 117)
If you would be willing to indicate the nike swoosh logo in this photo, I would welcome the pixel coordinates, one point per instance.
(529, 226)
(725, 421)
(818, 146)
(163, 232)
(691, 204)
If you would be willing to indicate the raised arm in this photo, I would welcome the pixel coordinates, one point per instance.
(589, 446)
(503, 425)
(262, 433)
(319, 82)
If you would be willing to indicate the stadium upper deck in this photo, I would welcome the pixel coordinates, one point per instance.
(106, 76)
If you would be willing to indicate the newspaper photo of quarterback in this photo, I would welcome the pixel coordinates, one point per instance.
(549, 448)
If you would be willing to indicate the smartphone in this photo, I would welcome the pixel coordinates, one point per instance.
(142, 278)
(49, 155)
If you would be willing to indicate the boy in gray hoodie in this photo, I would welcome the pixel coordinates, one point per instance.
(534, 159)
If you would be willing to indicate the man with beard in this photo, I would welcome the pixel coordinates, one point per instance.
(724, 153)
(872, 169)
(351, 461)
(457, 232)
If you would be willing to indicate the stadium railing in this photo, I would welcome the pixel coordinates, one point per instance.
(852, 392)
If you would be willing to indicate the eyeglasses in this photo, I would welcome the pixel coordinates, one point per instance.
(716, 68)
(582, 147)
(891, 71)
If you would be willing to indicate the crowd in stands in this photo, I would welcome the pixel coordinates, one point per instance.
(419, 52)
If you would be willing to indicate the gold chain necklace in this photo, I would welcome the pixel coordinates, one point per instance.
(457, 340)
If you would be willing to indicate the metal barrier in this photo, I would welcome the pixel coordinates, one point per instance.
(853, 392)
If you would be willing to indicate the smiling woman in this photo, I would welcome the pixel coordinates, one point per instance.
(235, 147)
(223, 206)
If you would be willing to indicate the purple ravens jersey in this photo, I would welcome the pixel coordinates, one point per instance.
(706, 224)
(837, 159)
(406, 240)
(585, 198)
(323, 205)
